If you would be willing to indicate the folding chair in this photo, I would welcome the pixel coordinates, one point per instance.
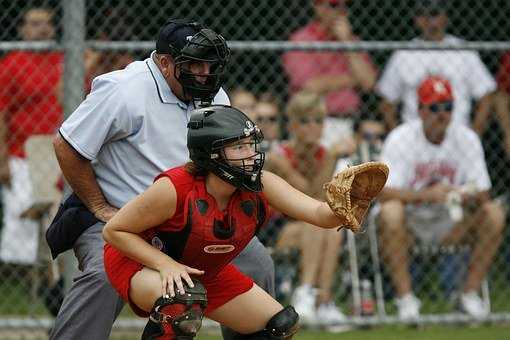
(354, 269)
(44, 173)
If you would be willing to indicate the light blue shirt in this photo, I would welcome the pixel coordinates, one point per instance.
(132, 127)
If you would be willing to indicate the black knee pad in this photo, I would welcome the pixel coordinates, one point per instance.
(283, 325)
(179, 316)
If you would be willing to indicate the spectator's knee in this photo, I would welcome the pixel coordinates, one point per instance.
(391, 216)
(494, 217)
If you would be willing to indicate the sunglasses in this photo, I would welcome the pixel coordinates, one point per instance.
(308, 120)
(441, 107)
(263, 120)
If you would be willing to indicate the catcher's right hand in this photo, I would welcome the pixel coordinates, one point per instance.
(351, 191)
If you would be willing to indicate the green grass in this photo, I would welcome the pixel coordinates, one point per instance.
(395, 333)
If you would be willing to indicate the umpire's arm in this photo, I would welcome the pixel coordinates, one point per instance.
(79, 174)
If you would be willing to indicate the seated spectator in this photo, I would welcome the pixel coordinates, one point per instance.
(242, 99)
(369, 134)
(28, 106)
(265, 112)
(340, 77)
(312, 162)
(406, 69)
(268, 118)
(438, 191)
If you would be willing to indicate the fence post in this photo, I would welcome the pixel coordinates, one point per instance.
(73, 41)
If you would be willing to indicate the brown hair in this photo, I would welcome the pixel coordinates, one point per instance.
(195, 170)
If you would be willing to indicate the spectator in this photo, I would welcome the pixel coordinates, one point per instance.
(267, 116)
(243, 99)
(312, 162)
(439, 190)
(338, 76)
(28, 106)
(266, 113)
(117, 19)
(405, 70)
(369, 137)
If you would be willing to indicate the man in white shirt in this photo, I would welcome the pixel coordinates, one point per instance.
(406, 69)
(438, 189)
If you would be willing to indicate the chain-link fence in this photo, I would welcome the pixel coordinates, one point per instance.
(329, 82)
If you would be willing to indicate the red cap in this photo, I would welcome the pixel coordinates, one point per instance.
(434, 89)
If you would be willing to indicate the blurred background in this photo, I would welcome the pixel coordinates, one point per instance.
(327, 81)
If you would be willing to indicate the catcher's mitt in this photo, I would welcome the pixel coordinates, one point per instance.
(351, 191)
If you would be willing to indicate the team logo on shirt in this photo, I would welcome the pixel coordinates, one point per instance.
(219, 248)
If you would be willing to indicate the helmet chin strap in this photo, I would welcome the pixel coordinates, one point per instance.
(239, 177)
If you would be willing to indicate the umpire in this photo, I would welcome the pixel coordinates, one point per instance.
(131, 127)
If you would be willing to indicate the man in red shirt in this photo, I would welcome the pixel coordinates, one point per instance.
(338, 76)
(28, 106)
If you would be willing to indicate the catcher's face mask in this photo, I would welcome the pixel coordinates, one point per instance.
(226, 142)
(243, 158)
(200, 65)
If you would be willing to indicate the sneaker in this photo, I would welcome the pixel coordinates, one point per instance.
(408, 307)
(303, 301)
(471, 304)
(329, 314)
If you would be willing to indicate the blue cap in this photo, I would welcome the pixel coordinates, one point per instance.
(175, 34)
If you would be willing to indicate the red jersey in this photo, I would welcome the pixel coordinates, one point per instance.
(199, 234)
(290, 154)
(28, 96)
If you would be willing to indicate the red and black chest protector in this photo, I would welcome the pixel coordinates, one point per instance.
(212, 238)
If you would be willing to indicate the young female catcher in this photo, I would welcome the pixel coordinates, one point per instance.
(168, 251)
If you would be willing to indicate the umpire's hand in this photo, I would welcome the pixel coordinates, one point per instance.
(105, 213)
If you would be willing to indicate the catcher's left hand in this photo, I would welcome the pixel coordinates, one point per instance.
(351, 191)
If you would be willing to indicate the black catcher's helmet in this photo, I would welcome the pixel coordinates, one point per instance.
(210, 129)
(189, 42)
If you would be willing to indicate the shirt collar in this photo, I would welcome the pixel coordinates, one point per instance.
(164, 91)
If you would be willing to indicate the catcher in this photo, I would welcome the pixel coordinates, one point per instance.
(168, 251)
